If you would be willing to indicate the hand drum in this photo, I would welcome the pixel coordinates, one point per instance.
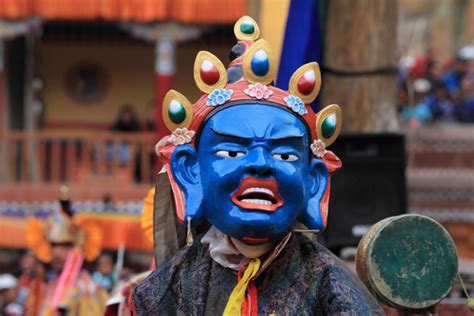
(408, 262)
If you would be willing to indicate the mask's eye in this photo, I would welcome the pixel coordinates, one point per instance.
(285, 157)
(229, 154)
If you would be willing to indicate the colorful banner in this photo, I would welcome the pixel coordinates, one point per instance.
(117, 228)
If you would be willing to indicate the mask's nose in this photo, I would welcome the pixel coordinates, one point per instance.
(260, 163)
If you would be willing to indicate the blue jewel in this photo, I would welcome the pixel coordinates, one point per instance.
(260, 63)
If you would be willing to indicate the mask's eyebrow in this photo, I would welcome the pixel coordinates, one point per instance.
(288, 137)
(227, 134)
(277, 138)
(285, 134)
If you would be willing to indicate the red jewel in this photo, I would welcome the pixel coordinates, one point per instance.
(306, 83)
(209, 73)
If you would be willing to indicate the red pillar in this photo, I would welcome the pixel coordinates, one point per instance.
(164, 73)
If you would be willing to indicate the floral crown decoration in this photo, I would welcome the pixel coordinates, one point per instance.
(248, 78)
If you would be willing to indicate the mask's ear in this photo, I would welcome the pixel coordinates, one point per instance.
(185, 170)
(314, 218)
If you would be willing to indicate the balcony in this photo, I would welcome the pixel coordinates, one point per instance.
(93, 164)
(108, 175)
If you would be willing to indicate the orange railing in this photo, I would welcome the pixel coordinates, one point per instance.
(27, 157)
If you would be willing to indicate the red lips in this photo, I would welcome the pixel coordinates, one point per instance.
(258, 194)
(255, 241)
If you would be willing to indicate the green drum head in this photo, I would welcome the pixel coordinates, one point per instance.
(412, 262)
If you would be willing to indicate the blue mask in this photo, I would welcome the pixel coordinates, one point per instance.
(252, 176)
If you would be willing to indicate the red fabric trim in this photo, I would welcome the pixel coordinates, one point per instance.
(203, 11)
(245, 309)
(131, 304)
(333, 163)
(36, 295)
(250, 303)
(112, 310)
(201, 110)
(252, 294)
(153, 264)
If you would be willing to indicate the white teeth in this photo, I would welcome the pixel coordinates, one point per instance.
(262, 190)
(257, 201)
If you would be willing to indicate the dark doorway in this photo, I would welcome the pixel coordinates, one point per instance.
(15, 56)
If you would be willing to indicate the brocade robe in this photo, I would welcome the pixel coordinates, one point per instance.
(304, 279)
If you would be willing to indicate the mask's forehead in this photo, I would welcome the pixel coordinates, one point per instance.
(257, 121)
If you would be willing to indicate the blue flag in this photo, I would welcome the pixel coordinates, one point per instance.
(303, 41)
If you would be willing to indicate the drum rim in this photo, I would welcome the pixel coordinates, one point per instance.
(367, 245)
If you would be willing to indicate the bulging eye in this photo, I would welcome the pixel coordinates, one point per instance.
(285, 157)
(229, 154)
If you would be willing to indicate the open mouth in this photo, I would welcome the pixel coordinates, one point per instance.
(258, 194)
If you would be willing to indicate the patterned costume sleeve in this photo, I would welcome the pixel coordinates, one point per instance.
(157, 293)
(343, 294)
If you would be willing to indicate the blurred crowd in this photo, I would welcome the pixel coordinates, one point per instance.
(14, 288)
(432, 92)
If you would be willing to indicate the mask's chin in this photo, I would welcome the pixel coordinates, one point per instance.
(243, 233)
(252, 250)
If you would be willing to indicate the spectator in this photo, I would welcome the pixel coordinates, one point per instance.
(467, 53)
(104, 275)
(150, 125)
(417, 112)
(30, 268)
(453, 77)
(109, 205)
(465, 110)
(8, 296)
(442, 108)
(126, 122)
(428, 91)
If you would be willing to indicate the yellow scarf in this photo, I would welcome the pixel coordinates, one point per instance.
(234, 304)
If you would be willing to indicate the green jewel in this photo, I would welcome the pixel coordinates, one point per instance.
(329, 126)
(247, 27)
(176, 112)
